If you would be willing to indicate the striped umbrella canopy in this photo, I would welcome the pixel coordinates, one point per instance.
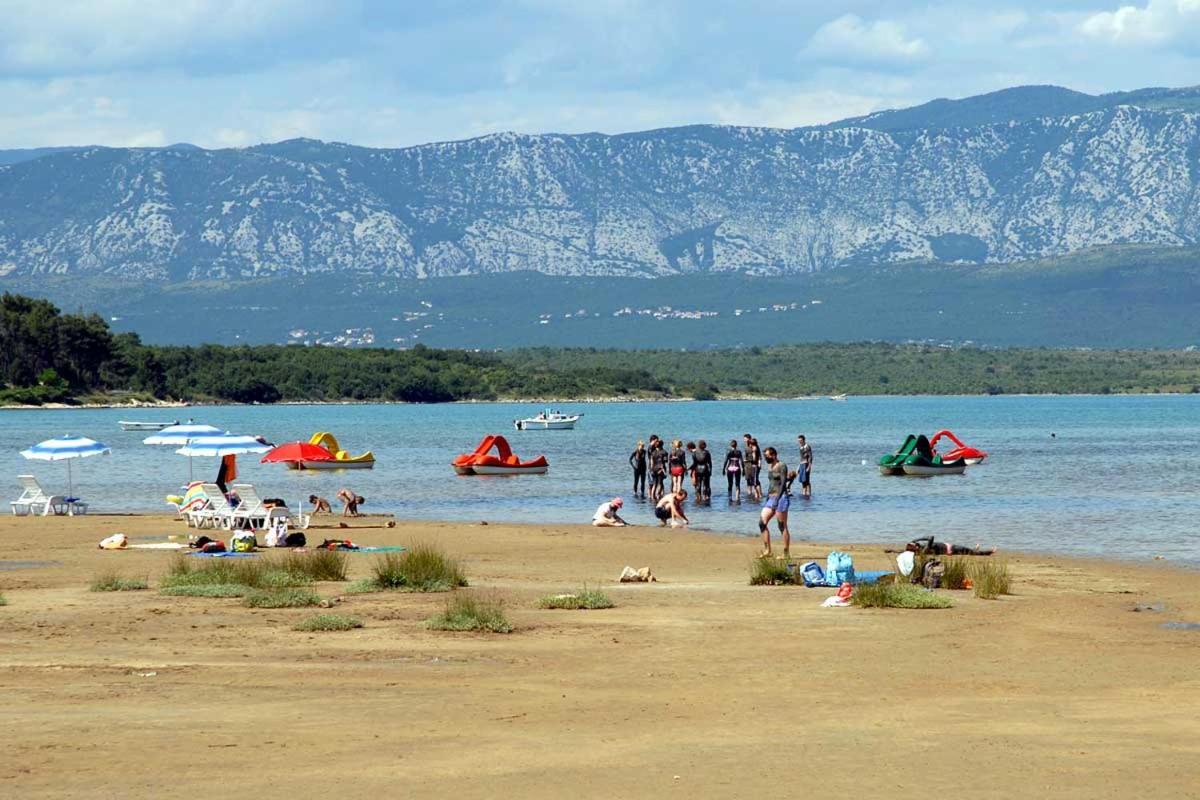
(181, 434)
(223, 444)
(67, 448)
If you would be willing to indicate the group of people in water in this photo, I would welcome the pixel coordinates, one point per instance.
(654, 463)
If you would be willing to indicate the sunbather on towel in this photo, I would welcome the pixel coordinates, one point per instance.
(927, 546)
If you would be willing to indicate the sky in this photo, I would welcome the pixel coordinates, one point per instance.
(230, 73)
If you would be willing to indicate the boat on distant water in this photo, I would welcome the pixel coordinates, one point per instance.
(134, 425)
(838, 397)
(504, 462)
(548, 421)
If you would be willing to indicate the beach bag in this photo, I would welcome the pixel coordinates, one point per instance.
(117, 541)
(277, 533)
(934, 570)
(295, 540)
(813, 574)
(839, 569)
(243, 542)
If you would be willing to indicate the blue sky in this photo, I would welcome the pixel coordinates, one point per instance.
(237, 72)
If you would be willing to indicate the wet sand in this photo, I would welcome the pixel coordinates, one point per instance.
(696, 686)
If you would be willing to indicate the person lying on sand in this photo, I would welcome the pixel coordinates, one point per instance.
(606, 515)
(670, 510)
(320, 504)
(927, 546)
(351, 501)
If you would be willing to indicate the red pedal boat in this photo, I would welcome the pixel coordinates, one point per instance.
(503, 462)
(971, 455)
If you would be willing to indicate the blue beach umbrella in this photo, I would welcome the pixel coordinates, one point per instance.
(66, 449)
(181, 434)
(223, 444)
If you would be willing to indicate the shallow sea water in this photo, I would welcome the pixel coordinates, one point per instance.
(1118, 478)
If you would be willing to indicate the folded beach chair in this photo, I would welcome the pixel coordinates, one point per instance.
(34, 500)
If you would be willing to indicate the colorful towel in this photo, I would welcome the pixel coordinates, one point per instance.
(384, 549)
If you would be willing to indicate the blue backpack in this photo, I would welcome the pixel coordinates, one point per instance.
(813, 574)
(839, 569)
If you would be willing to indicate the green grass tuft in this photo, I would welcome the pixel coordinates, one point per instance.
(113, 581)
(328, 622)
(317, 565)
(991, 578)
(204, 590)
(254, 573)
(3, 601)
(956, 572)
(363, 586)
(585, 598)
(282, 598)
(896, 595)
(469, 613)
(770, 571)
(422, 568)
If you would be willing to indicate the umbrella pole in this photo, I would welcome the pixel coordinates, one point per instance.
(70, 483)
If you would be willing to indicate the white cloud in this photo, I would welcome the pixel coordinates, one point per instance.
(151, 138)
(794, 109)
(73, 36)
(1158, 22)
(851, 38)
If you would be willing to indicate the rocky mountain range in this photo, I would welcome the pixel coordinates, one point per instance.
(1021, 174)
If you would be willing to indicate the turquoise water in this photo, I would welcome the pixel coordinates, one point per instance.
(1119, 477)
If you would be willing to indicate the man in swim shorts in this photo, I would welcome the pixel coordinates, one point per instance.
(669, 510)
(776, 504)
(806, 464)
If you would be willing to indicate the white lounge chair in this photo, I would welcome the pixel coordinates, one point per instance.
(217, 512)
(34, 500)
(250, 506)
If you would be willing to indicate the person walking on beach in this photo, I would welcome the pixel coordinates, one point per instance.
(733, 471)
(669, 510)
(805, 470)
(637, 460)
(677, 463)
(658, 468)
(702, 472)
(777, 503)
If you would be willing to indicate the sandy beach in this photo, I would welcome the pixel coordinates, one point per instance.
(696, 686)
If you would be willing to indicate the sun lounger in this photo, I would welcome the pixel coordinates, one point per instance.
(34, 500)
(216, 512)
(251, 509)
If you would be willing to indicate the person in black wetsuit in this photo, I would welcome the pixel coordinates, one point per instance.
(637, 460)
(702, 470)
(733, 471)
(927, 546)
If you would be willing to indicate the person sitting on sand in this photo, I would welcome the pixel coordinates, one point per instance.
(351, 501)
(320, 504)
(606, 515)
(927, 546)
(669, 510)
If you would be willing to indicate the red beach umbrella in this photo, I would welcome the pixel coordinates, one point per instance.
(297, 451)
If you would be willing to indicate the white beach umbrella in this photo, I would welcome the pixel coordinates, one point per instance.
(180, 434)
(223, 444)
(67, 448)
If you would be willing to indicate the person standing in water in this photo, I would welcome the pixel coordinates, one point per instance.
(733, 471)
(753, 463)
(691, 470)
(777, 503)
(677, 463)
(702, 472)
(805, 471)
(658, 468)
(637, 460)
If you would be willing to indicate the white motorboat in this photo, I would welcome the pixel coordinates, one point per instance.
(133, 425)
(838, 398)
(478, 469)
(548, 421)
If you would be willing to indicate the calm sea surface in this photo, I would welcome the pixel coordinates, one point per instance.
(1119, 477)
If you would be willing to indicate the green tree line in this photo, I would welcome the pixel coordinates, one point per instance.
(47, 356)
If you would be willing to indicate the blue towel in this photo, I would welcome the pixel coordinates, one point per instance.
(859, 577)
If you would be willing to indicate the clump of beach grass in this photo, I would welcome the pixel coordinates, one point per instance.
(585, 598)
(113, 581)
(991, 578)
(770, 571)
(896, 595)
(422, 568)
(3, 602)
(320, 623)
(956, 573)
(243, 573)
(470, 613)
(318, 565)
(282, 598)
(204, 590)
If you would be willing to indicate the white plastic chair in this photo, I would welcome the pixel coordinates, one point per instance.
(33, 498)
(251, 507)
